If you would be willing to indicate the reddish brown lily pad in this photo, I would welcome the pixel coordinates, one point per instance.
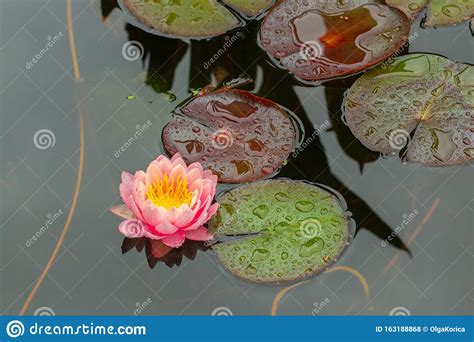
(318, 40)
(421, 102)
(440, 12)
(239, 136)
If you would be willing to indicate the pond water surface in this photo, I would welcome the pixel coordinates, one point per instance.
(414, 240)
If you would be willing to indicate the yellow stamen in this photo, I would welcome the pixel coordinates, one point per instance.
(169, 193)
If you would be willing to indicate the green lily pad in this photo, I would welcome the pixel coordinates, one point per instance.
(249, 8)
(280, 230)
(183, 18)
(422, 102)
(440, 12)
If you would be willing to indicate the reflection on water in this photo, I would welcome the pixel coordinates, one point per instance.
(157, 252)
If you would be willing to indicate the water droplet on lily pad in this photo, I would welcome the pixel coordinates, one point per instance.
(279, 246)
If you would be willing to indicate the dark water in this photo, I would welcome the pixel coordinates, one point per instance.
(429, 208)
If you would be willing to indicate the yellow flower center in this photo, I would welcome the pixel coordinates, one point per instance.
(169, 193)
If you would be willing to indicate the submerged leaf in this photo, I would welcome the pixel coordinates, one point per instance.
(440, 12)
(285, 230)
(184, 18)
(238, 136)
(249, 8)
(425, 96)
(317, 40)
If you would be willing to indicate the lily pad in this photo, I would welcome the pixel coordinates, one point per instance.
(240, 137)
(249, 8)
(282, 230)
(183, 18)
(422, 102)
(440, 12)
(318, 40)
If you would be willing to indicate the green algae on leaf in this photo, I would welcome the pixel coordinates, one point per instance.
(183, 18)
(280, 230)
(317, 40)
(422, 102)
(249, 8)
(240, 137)
(439, 12)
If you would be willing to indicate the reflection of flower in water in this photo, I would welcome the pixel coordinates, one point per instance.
(158, 252)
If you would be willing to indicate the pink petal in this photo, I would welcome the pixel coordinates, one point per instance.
(152, 173)
(177, 171)
(132, 228)
(175, 240)
(193, 174)
(122, 211)
(165, 165)
(200, 234)
(139, 192)
(131, 204)
(166, 228)
(125, 190)
(212, 210)
(154, 215)
(127, 177)
(178, 160)
(185, 217)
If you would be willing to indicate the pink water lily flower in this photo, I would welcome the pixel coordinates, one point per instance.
(170, 202)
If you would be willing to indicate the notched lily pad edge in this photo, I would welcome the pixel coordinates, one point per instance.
(350, 234)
